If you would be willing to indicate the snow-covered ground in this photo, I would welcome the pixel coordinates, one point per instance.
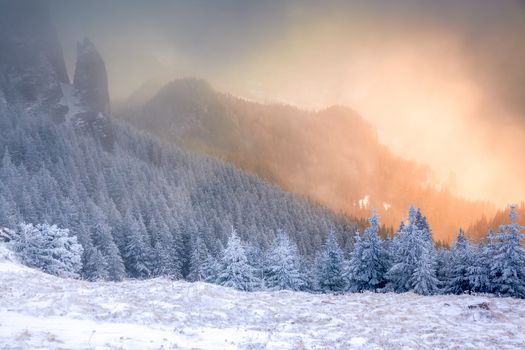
(39, 311)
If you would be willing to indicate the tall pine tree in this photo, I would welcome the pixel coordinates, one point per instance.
(508, 268)
(367, 266)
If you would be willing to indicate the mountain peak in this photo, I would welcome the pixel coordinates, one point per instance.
(31, 62)
(91, 82)
(87, 49)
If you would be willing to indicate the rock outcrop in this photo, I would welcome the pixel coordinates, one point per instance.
(91, 91)
(31, 60)
(33, 72)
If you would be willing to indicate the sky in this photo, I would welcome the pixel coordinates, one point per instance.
(442, 81)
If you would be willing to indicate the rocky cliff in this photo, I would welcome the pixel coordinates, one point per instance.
(91, 91)
(33, 73)
(31, 60)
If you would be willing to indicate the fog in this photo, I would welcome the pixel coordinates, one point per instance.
(443, 82)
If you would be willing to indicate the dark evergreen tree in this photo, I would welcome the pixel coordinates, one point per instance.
(460, 261)
(235, 271)
(413, 257)
(283, 265)
(367, 266)
(479, 271)
(135, 254)
(508, 268)
(331, 267)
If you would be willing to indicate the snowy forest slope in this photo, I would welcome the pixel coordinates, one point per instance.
(139, 207)
(60, 313)
(143, 196)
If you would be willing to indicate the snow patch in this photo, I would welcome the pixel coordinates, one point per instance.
(7, 256)
(359, 341)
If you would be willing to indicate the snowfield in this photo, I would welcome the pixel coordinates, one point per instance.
(39, 311)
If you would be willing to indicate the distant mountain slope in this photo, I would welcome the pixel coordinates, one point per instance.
(332, 156)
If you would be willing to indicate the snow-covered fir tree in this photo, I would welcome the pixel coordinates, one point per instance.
(460, 261)
(256, 259)
(283, 265)
(479, 271)
(199, 256)
(442, 265)
(367, 265)
(135, 252)
(48, 248)
(94, 266)
(103, 242)
(211, 269)
(331, 267)
(235, 271)
(423, 279)
(413, 256)
(508, 267)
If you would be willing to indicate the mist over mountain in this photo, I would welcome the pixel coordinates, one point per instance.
(332, 156)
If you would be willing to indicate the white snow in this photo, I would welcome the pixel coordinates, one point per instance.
(39, 311)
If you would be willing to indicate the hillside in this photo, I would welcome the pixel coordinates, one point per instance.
(40, 311)
(332, 156)
(139, 207)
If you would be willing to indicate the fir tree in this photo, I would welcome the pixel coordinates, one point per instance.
(479, 271)
(135, 252)
(508, 268)
(413, 257)
(460, 261)
(94, 266)
(283, 268)
(423, 279)
(199, 256)
(331, 267)
(48, 248)
(235, 272)
(404, 259)
(211, 269)
(367, 265)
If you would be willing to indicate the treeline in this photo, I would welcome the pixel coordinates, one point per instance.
(408, 262)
